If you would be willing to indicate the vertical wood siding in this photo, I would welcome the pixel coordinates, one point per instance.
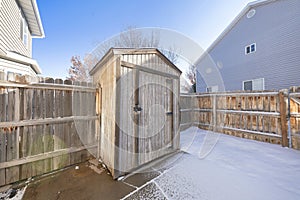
(130, 139)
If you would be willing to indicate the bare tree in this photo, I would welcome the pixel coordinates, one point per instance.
(130, 38)
(79, 71)
(136, 38)
(191, 76)
(171, 53)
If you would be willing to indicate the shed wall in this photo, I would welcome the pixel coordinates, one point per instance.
(107, 80)
(127, 143)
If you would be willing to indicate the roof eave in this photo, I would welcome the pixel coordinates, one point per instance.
(24, 60)
(37, 22)
(121, 51)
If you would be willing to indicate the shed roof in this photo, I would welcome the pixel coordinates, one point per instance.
(32, 15)
(133, 51)
(249, 6)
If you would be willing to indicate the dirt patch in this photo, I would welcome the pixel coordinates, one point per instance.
(82, 183)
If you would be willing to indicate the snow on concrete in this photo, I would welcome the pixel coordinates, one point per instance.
(218, 167)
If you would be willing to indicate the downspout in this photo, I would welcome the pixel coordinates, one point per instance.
(289, 119)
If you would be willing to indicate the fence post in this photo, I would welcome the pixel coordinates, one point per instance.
(283, 120)
(214, 112)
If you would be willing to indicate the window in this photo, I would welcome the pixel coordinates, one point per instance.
(250, 48)
(24, 31)
(255, 84)
(248, 85)
(212, 89)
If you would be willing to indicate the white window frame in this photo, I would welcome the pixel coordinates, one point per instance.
(214, 88)
(249, 46)
(24, 32)
(253, 89)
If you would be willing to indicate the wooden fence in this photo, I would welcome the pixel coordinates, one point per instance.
(48, 124)
(264, 116)
(44, 126)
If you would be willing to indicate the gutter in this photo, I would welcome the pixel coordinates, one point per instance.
(38, 18)
(23, 60)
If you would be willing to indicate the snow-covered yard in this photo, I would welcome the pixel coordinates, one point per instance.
(210, 166)
(217, 166)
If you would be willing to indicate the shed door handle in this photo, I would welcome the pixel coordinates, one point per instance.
(136, 108)
(169, 113)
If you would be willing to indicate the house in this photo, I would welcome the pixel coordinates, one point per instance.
(139, 90)
(19, 23)
(259, 50)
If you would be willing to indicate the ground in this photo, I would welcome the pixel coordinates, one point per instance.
(209, 166)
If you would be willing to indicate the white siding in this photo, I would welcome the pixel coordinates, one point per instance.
(7, 66)
(10, 40)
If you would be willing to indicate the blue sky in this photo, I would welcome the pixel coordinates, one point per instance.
(75, 27)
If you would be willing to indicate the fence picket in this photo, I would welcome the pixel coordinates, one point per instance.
(12, 173)
(2, 135)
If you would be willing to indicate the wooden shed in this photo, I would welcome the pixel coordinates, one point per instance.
(138, 106)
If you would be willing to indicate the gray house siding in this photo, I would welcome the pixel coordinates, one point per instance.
(275, 28)
(10, 27)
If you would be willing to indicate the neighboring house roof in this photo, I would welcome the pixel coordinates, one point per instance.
(32, 15)
(250, 6)
(121, 51)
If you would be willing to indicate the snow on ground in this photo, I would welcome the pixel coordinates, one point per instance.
(13, 194)
(219, 166)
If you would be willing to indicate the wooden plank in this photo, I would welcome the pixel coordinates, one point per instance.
(3, 101)
(36, 122)
(243, 103)
(37, 148)
(136, 116)
(83, 133)
(26, 138)
(2, 154)
(49, 155)
(254, 123)
(283, 119)
(12, 173)
(266, 103)
(58, 143)
(67, 112)
(47, 85)
(273, 104)
(99, 123)
(48, 128)
(117, 156)
(252, 132)
(148, 70)
(214, 112)
(76, 126)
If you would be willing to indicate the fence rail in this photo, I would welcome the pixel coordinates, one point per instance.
(45, 125)
(265, 116)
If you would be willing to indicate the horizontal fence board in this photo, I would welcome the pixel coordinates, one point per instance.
(49, 86)
(43, 156)
(35, 122)
(250, 131)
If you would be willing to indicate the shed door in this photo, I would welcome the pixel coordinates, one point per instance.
(154, 115)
